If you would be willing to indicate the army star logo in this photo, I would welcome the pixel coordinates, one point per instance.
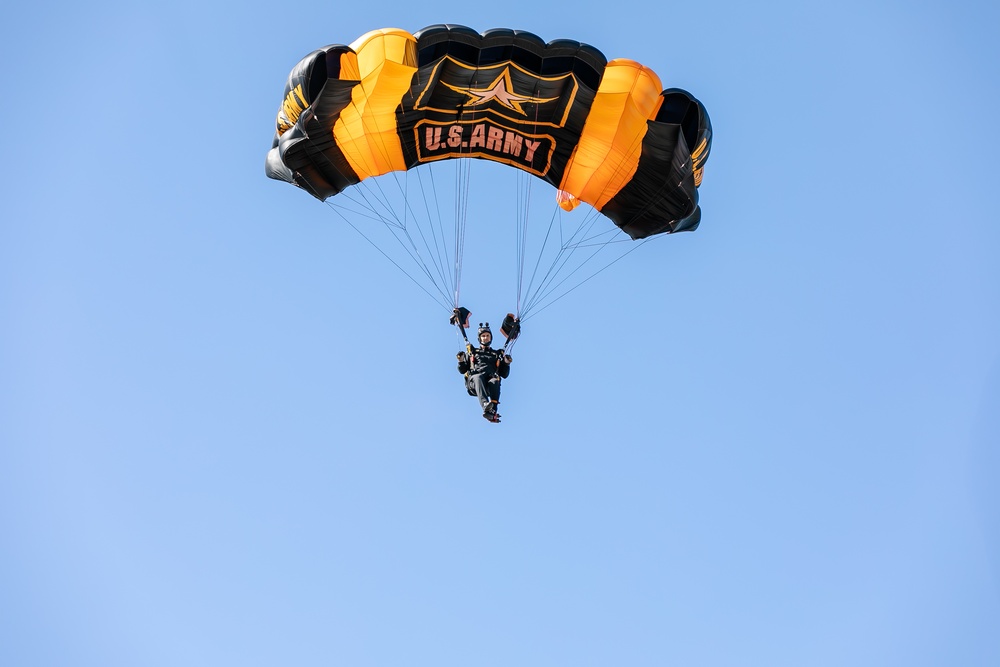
(501, 91)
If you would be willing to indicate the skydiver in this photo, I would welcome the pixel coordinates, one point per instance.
(484, 368)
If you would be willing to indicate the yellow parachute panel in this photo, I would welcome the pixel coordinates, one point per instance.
(366, 130)
(608, 152)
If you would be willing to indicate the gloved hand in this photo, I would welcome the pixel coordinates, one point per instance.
(462, 357)
(507, 359)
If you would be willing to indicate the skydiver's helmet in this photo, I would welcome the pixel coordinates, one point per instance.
(484, 329)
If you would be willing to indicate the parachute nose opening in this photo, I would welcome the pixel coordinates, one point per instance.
(680, 108)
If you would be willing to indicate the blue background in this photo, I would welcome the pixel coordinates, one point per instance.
(232, 434)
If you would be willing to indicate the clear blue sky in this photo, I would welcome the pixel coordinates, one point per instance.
(232, 434)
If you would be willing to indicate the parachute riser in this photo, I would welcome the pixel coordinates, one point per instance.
(468, 345)
(460, 318)
(511, 329)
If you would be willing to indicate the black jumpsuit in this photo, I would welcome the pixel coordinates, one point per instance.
(483, 370)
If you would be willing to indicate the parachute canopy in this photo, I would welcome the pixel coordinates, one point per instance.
(602, 132)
